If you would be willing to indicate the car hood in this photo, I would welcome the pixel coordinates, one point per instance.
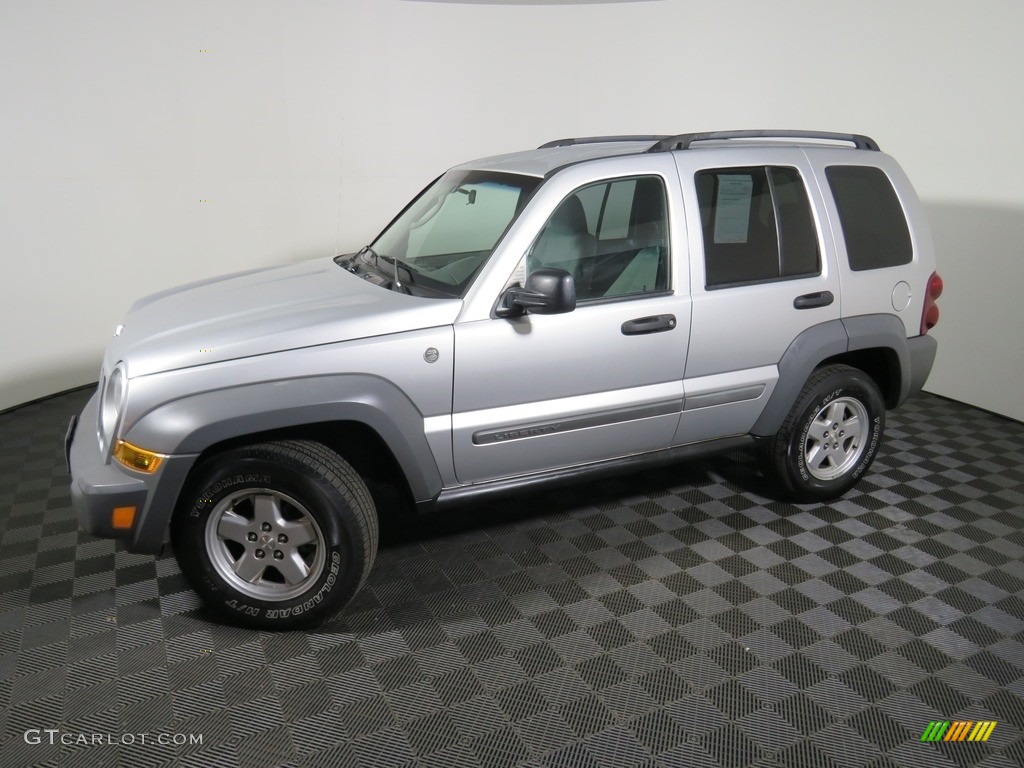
(262, 311)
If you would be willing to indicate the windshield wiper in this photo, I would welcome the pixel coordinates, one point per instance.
(401, 265)
(348, 260)
(397, 282)
(368, 251)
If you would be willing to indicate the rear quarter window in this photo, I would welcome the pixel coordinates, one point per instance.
(874, 226)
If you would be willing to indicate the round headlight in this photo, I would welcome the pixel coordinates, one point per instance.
(110, 404)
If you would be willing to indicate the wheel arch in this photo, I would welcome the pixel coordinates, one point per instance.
(875, 344)
(366, 419)
(355, 441)
(324, 407)
(880, 363)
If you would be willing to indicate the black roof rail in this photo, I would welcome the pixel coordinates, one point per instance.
(684, 140)
(598, 140)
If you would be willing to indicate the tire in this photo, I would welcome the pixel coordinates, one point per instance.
(276, 536)
(829, 438)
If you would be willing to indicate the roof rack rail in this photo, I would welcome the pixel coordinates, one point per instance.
(684, 140)
(598, 140)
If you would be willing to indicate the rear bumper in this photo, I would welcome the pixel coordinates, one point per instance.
(921, 352)
(99, 486)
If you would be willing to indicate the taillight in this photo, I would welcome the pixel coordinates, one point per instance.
(930, 313)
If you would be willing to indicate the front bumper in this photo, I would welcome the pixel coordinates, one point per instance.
(98, 487)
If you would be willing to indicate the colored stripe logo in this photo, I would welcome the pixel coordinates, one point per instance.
(958, 730)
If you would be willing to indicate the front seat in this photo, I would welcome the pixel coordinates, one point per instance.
(565, 243)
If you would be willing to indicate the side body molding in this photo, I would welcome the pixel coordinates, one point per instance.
(191, 424)
(821, 342)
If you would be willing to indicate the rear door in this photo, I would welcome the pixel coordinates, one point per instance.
(760, 275)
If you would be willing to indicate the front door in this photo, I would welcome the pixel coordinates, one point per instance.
(539, 392)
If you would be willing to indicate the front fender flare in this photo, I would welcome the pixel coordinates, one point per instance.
(193, 423)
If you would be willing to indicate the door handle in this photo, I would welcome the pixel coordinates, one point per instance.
(811, 300)
(652, 324)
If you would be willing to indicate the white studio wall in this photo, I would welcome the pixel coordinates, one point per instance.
(152, 144)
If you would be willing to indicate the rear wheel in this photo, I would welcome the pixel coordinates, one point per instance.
(830, 437)
(277, 535)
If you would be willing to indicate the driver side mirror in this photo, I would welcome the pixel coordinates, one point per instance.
(548, 291)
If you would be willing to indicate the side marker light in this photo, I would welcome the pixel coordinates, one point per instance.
(122, 518)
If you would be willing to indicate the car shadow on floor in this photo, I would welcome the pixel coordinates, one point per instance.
(738, 471)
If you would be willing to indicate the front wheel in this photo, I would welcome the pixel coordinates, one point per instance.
(278, 535)
(830, 437)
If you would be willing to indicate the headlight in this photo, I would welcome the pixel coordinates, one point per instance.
(111, 404)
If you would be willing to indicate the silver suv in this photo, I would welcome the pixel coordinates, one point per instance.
(592, 306)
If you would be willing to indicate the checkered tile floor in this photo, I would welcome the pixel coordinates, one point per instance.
(671, 618)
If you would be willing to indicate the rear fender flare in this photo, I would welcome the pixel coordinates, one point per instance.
(822, 342)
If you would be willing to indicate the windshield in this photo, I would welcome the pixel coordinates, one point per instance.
(447, 233)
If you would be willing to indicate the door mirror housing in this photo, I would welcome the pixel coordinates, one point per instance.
(548, 291)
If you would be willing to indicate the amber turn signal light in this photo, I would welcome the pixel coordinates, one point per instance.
(122, 518)
(137, 458)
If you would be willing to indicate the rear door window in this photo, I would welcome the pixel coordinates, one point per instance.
(757, 226)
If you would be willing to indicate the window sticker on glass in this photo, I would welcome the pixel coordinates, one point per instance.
(732, 208)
